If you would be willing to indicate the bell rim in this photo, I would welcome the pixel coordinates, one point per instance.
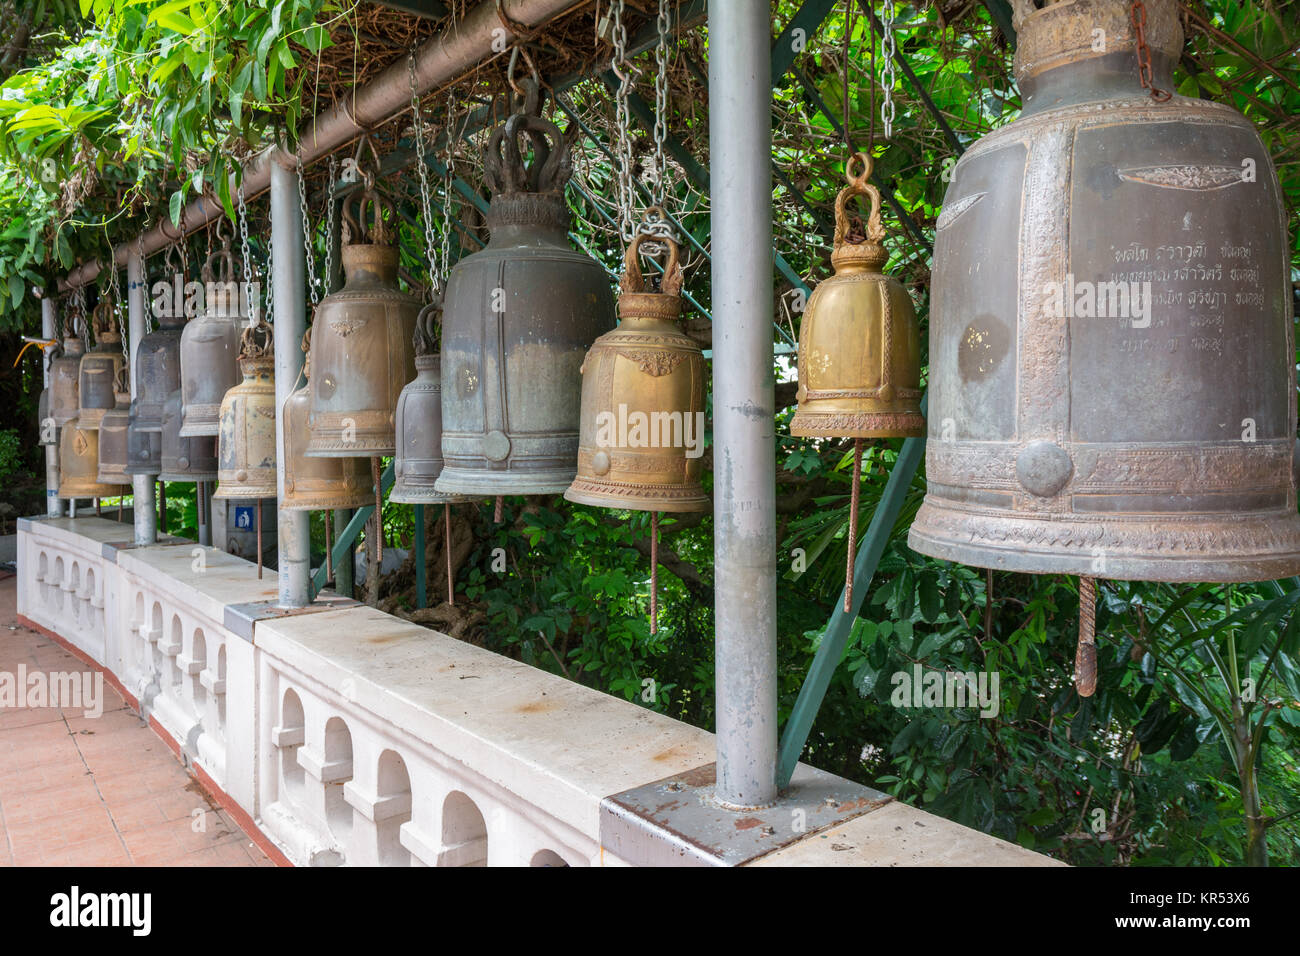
(587, 491)
(354, 450)
(187, 477)
(244, 494)
(321, 503)
(814, 424)
(472, 483)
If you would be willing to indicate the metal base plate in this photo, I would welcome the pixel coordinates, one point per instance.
(240, 619)
(677, 821)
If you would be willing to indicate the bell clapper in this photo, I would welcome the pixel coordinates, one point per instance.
(446, 547)
(1085, 657)
(853, 524)
(329, 549)
(654, 572)
(98, 510)
(379, 510)
(500, 509)
(162, 506)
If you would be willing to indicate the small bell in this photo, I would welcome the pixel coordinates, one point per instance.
(362, 344)
(113, 436)
(65, 375)
(97, 373)
(210, 346)
(185, 459)
(79, 465)
(246, 444)
(317, 483)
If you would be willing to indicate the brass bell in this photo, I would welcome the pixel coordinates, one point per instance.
(112, 436)
(362, 344)
(158, 368)
(97, 374)
(317, 483)
(79, 465)
(418, 462)
(185, 459)
(246, 443)
(519, 316)
(643, 393)
(65, 375)
(210, 346)
(859, 344)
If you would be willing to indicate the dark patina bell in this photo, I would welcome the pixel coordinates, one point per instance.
(112, 436)
(246, 442)
(317, 483)
(1112, 377)
(185, 459)
(65, 375)
(210, 346)
(362, 345)
(859, 344)
(143, 448)
(97, 373)
(79, 465)
(643, 391)
(419, 421)
(158, 369)
(518, 319)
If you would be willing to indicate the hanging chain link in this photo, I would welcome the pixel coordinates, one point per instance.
(448, 177)
(246, 259)
(661, 106)
(426, 205)
(144, 280)
(308, 252)
(270, 286)
(328, 276)
(888, 78)
(1138, 14)
(115, 285)
(79, 297)
(622, 124)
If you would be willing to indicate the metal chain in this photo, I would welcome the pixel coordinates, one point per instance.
(308, 252)
(328, 277)
(448, 177)
(426, 205)
(887, 76)
(80, 297)
(622, 123)
(246, 260)
(270, 285)
(144, 280)
(661, 106)
(117, 306)
(1138, 14)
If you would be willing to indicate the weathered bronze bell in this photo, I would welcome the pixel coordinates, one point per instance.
(317, 483)
(518, 319)
(419, 421)
(210, 347)
(65, 375)
(158, 369)
(185, 459)
(362, 345)
(1112, 378)
(112, 436)
(97, 373)
(643, 392)
(859, 344)
(143, 448)
(246, 443)
(79, 465)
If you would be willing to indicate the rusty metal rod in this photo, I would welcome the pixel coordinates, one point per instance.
(852, 551)
(379, 512)
(654, 572)
(500, 510)
(446, 547)
(329, 556)
(1085, 656)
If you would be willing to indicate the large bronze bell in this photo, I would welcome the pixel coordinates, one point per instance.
(419, 421)
(643, 392)
(112, 436)
(97, 374)
(158, 369)
(65, 375)
(246, 443)
(518, 319)
(210, 347)
(859, 344)
(317, 483)
(185, 459)
(79, 465)
(1112, 378)
(362, 345)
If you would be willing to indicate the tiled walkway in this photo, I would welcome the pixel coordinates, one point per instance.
(97, 791)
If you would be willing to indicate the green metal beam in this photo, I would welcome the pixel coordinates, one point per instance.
(348, 536)
(1000, 12)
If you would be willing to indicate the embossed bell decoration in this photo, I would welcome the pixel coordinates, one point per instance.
(859, 348)
(519, 316)
(246, 443)
(209, 347)
(65, 376)
(112, 435)
(79, 464)
(419, 422)
(185, 459)
(1118, 398)
(317, 483)
(362, 344)
(97, 373)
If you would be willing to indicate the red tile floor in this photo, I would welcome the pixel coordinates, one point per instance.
(105, 791)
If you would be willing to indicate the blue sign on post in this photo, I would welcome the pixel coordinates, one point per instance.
(244, 516)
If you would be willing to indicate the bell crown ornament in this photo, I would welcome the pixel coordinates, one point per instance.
(317, 483)
(362, 345)
(1089, 386)
(643, 393)
(518, 318)
(859, 360)
(246, 455)
(209, 348)
(97, 372)
(418, 462)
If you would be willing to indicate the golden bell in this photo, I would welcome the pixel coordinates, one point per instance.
(363, 347)
(79, 465)
(317, 483)
(112, 436)
(65, 373)
(641, 439)
(859, 345)
(246, 442)
(97, 373)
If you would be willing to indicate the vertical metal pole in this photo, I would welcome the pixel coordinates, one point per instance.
(344, 568)
(293, 531)
(143, 502)
(53, 506)
(744, 497)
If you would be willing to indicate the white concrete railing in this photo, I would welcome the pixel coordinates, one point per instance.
(349, 736)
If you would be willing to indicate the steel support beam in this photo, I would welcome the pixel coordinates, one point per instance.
(293, 529)
(744, 497)
(144, 503)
